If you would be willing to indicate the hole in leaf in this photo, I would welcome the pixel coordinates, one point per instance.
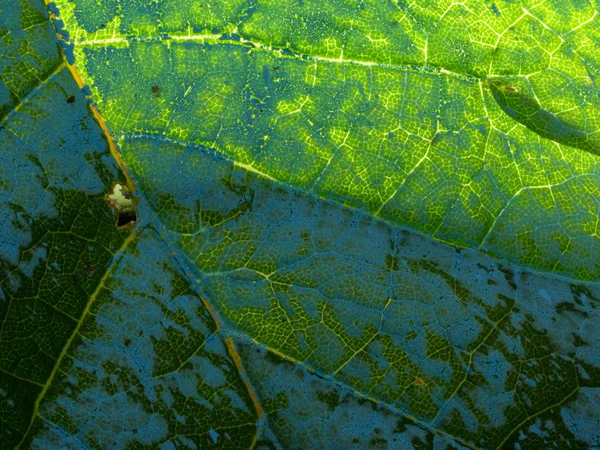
(121, 201)
(127, 218)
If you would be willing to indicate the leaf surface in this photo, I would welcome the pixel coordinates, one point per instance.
(359, 225)
(377, 105)
(57, 234)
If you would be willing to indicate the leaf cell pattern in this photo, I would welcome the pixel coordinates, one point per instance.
(361, 224)
(384, 106)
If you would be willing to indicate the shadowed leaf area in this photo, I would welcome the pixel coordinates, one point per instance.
(299, 225)
(529, 112)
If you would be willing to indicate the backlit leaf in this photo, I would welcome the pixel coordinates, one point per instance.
(354, 224)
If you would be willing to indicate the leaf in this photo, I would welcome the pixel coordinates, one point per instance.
(376, 107)
(451, 341)
(73, 284)
(358, 225)
(148, 366)
(57, 233)
(530, 113)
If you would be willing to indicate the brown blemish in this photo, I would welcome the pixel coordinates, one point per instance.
(89, 268)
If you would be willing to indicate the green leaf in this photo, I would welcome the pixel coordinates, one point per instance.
(57, 234)
(384, 107)
(358, 224)
(462, 346)
(147, 366)
(530, 113)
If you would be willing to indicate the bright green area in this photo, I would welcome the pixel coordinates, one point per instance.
(526, 110)
(384, 106)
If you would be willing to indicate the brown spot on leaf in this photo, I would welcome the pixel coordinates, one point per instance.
(89, 268)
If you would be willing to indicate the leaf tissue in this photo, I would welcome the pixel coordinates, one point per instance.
(299, 224)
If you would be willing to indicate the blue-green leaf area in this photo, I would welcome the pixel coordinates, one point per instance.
(57, 233)
(475, 348)
(102, 342)
(148, 368)
(306, 411)
(28, 51)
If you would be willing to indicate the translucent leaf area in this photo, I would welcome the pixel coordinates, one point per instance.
(386, 106)
(291, 224)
